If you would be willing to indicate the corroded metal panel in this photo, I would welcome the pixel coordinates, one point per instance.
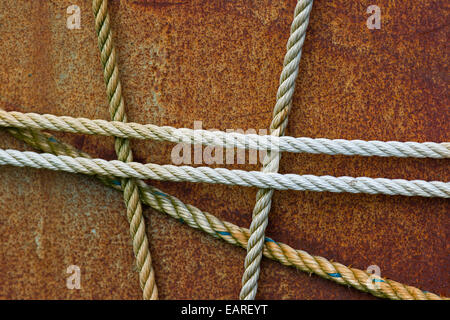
(218, 62)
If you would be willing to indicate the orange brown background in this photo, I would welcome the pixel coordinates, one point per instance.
(219, 62)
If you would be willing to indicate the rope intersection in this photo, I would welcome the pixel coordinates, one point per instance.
(123, 150)
(122, 174)
(208, 223)
(225, 139)
(271, 162)
(269, 180)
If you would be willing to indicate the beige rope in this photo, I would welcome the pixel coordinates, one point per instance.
(225, 139)
(271, 161)
(236, 235)
(123, 150)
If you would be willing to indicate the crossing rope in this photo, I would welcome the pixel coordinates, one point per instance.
(260, 216)
(122, 146)
(123, 174)
(208, 223)
(269, 180)
(225, 139)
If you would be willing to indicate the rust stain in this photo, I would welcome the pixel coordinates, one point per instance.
(219, 62)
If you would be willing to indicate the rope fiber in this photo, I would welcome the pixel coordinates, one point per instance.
(225, 139)
(271, 161)
(263, 180)
(208, 223)
(122, 146)
(124, 175)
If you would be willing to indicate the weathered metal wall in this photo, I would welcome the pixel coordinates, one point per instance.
(219, 62)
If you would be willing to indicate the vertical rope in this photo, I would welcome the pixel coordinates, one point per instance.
(195, 218)
(272, 159)
(123, 151)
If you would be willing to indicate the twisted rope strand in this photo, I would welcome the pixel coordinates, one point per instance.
(236, 235)
(269, 180)
(271, 161)
(225, 139)
(123, 150)
(239, 236)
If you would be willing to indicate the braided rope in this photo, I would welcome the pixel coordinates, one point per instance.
(270, 180)
(224, 139)
(271, 161)
(300, 259)
(236, 235)
(123, 150)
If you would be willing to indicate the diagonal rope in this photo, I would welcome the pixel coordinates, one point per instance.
(240, 236)
(122, 146)
(271, 161)
(195, 218)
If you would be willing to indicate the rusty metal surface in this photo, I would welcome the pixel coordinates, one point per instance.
(219, 62)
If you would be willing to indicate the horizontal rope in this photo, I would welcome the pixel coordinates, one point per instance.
(225, 176)
(236, 235)
(225, 139)
(271, 162)
(117, 111)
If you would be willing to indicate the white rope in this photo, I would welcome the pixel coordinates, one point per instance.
(225, 176)
(224, 139)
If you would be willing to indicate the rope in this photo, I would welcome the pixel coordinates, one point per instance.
(123, 150)
(271, 161)
(192, 216)
(269, 180)
(225, 139)
(236, 235)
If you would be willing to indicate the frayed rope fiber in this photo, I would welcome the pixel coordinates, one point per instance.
(124, 174)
